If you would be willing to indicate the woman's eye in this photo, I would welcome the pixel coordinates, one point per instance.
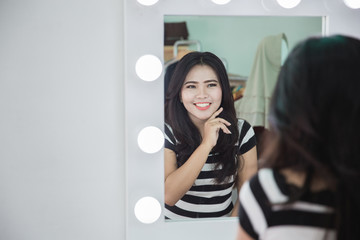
(212, 85)
(190, 86)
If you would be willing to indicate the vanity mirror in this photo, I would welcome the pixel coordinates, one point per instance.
(144, 27)
(235, 39)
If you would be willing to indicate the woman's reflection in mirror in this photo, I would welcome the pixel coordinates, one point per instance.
(308, 187)
(208, 151)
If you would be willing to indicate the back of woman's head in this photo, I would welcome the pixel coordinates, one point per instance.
(315, 116)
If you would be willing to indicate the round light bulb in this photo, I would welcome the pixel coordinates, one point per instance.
(150, 139)
(148, 67)
(221, 2)
(288, 3)
(147, 210)
(147, 2)
(355, 4)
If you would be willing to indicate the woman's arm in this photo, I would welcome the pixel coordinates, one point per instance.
(249, 168)
(179, 180)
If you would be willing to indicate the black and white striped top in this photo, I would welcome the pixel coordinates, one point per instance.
(265, 214)
(206, 198)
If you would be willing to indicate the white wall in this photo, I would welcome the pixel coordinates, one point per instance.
(61, 120)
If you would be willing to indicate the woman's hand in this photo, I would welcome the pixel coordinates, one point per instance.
(212, 127)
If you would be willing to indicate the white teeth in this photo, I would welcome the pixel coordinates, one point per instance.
(202, 104)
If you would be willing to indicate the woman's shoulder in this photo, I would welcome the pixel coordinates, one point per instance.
(167, 126)
(169, 135)
(244, 126)
(271, 183)
(247, 138)
(269, 177)
(264, 175)
(243, 123)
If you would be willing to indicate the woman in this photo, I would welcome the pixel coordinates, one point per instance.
(309, 186)
(208, 151)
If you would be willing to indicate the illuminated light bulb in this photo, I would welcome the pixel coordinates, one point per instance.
(288, 3)
(148, 67)
(150, 139)
(221, 2)
(355, 4)
(147, 2)
(147, 210)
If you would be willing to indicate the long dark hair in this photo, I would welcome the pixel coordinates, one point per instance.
(184, 130)
(315, 121)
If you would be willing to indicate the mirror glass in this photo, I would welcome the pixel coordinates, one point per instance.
(234, 39)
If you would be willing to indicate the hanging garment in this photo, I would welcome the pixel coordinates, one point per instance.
(254, 105)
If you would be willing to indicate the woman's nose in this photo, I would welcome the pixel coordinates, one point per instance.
(202, 93)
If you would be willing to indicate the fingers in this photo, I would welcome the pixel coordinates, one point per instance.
(221, 120)
(222, 124)
(213, 126)
(225, 129)
(215, 114)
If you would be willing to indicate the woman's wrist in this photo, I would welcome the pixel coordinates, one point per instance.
(207, 146)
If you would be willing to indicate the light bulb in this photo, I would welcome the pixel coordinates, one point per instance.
(355, 4)
(288, 3)
(150, 139)
(148, 67)
(221, 2)
(147, 2)
(147, 210)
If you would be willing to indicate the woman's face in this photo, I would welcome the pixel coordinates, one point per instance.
(201, 93)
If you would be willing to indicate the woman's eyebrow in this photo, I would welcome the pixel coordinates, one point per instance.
(191, 82)
(211, 80)
(206, 81)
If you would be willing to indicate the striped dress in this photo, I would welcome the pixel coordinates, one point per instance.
(265, 214)
(206, 198)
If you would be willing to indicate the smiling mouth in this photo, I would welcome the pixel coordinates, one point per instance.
(202, 105)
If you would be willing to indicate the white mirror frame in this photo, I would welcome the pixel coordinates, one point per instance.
(144, 29)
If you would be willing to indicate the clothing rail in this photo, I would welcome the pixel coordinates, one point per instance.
(186, 43)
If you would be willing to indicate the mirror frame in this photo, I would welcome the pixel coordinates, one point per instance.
(143, 34)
